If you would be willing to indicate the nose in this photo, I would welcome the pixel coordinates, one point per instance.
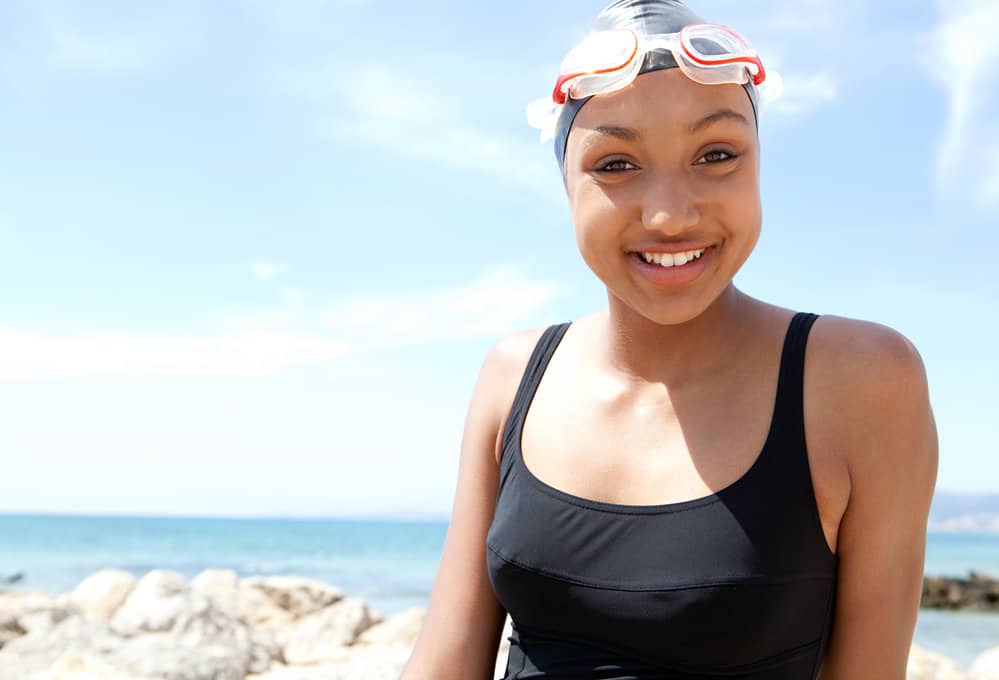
(669, 205)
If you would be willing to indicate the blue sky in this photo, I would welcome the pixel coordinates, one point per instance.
(253, 254)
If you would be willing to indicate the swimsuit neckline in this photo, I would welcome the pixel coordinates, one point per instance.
(644, 509)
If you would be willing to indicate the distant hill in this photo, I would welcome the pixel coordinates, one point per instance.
(956, 511)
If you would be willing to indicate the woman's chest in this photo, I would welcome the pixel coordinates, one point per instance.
(659, 449)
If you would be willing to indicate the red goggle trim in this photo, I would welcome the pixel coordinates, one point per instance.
(559, 96)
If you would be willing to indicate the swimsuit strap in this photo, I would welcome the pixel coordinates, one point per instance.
(529, 381)
(789, 416)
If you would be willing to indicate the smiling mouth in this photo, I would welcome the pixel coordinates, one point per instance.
(668, 260)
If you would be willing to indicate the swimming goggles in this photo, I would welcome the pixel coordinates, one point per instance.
(609, 60)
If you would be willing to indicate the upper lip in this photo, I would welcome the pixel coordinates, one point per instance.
(670, 247)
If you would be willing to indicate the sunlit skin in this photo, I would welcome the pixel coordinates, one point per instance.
(666, 185)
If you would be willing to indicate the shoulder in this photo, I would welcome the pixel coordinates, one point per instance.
(872, 380)
(861, 346)
(502, 370)
(864, 359)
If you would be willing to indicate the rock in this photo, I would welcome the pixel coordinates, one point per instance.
(159, 627)
(977, 592)
(260, 611)
(277, 600)
(327, 671)
(186, 657)
(400, 628)
(181, 633)
(320, 637)
(926, 665)
(182, 654)
(265, 651)
(162, 601)
(986, 665)
(221, 586)
(99, 595)
(31, 611)
(36, 652)
(157, 603)
(77, 667)
(382, 662)
(9, 630)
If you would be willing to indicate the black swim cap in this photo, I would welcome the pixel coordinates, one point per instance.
(645, 17)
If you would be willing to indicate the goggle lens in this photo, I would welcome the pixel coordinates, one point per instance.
(597, 62)
(713, 54)
(601, 50)
(712, 42)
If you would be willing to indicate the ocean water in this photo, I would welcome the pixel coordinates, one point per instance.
(391, 564)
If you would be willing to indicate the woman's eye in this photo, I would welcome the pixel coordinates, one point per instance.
(613, 166)
(729, 156)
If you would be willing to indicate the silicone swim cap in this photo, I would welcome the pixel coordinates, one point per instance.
(645, 17)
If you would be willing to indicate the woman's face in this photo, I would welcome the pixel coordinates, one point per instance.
(645, 166)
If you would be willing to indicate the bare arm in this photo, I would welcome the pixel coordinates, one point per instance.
(891, 446)
(461, 632)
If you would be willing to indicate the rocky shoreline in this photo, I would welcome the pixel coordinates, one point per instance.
(219, 626)
(978, 592)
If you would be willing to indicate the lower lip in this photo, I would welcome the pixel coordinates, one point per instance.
(675, 275)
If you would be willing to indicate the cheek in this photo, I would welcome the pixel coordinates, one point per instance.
(596, 221)
(735, 201)
(745, 204)
(598, 233)
(742, 214)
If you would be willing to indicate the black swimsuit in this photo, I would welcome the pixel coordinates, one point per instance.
(737, 584)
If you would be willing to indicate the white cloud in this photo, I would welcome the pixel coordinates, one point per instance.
(499, 301)
(26, 355)
(52, 43)
(265, 269)
(963, 55)
(55, 40)
(412, 118)
(801, 93)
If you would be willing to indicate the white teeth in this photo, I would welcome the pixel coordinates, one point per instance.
(671, 259)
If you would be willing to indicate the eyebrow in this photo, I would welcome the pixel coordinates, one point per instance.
(626, 133)
(719, 115)
(632, 135)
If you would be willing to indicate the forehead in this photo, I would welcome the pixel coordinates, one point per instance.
(665, 100)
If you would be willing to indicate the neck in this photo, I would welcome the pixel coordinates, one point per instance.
(644, 351)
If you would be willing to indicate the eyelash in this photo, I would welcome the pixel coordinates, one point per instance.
(731, 156)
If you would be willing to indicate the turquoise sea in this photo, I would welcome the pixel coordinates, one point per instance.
(391, 564)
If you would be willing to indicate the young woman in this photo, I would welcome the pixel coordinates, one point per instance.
(697, 483)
